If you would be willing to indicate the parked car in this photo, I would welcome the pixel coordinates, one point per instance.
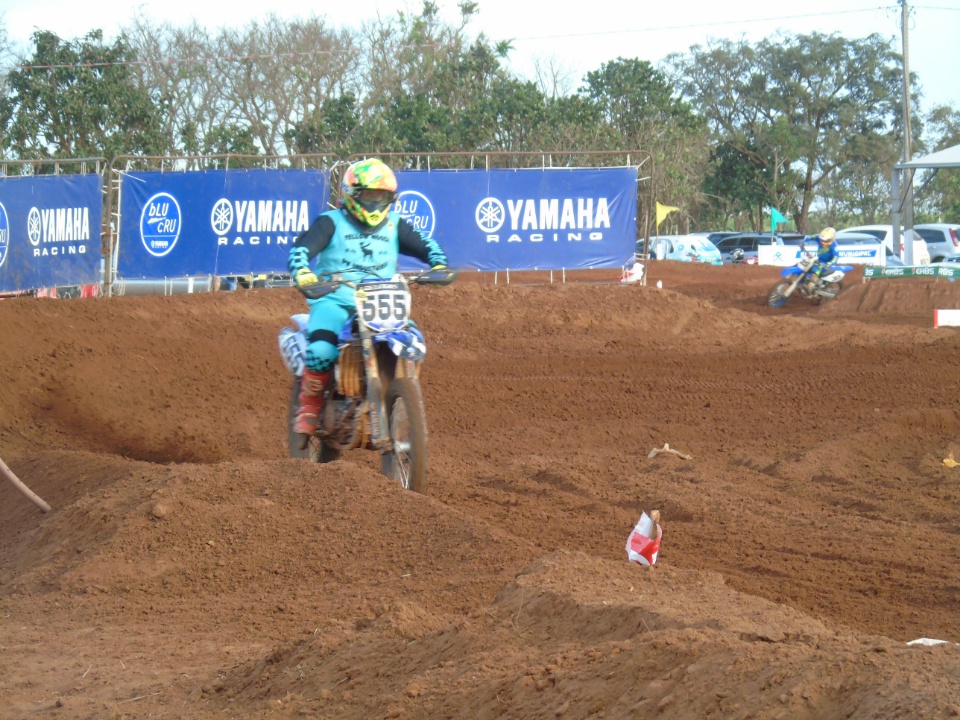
(716, 235)
(660, 246)
(686, 248)
(747, 243)
(921, 256)
(943, 239)
(893, 260)
(952, 260)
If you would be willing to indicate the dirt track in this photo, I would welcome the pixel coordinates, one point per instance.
(188, 569)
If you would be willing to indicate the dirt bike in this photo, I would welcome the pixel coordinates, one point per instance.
(374, 399)
(800, 277)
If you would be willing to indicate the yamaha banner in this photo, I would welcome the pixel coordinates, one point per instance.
(216, 222)
(545, 219)
(50, 231)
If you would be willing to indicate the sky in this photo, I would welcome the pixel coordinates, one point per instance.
(576, 40)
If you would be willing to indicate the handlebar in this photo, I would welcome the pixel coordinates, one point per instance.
(330, 283)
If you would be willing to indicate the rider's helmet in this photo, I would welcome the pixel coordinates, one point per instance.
(369, 189)
(827, 236)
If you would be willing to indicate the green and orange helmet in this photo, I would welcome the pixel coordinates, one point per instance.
(827, 236)
(369, 189)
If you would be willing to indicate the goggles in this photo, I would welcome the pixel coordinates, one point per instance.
(371, 199)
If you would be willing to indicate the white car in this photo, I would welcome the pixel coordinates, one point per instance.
(943, 239)
(685, 248)
(884, 233)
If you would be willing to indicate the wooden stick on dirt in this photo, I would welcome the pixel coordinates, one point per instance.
(667, 449)
(655, 517)
(34, 498)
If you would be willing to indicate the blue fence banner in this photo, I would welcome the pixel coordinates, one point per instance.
(546, 219)
(50, 231)
(215, 222)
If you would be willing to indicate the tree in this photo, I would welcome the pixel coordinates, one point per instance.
(798, 107)
(79, 98)
(175, 65)
(941, 200)
(644, 111)
(734, 187)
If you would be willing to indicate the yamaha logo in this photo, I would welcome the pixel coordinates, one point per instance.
(4, 234)
(490, 215)
(160, 224)
(221, 217)
(34, 227)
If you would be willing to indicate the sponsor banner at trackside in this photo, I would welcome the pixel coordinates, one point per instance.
(787, 255)
(934, 271)
(214, 222)
(49, 231)
(546, 219)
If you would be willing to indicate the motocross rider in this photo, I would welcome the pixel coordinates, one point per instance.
(362, 236)
(827, 252)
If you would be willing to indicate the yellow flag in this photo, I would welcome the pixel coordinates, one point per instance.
(663, 211)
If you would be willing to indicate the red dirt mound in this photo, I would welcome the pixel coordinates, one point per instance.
(189, 569)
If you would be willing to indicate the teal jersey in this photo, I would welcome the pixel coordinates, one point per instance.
(335, 244)
(350, 248)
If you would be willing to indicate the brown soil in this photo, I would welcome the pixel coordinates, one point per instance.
(189, 569)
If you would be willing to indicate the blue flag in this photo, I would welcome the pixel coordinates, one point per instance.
(775, 219)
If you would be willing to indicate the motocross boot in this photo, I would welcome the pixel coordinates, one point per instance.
(311, 401)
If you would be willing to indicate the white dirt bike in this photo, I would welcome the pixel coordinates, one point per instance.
(374, 399)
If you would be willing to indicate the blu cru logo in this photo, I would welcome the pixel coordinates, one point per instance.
(160, 224)
(4, 234)
(416, 208)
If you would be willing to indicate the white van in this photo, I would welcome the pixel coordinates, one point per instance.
(884, 233)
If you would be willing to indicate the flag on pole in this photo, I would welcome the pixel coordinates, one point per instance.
(663, 211)
(775, 219)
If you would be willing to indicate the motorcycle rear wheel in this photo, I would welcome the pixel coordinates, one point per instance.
(777, 298)
(407, 422)
(305, 447)
(836, 288)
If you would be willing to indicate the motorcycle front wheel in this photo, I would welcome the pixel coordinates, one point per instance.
(305, 447)
(777, 296)
(407, 422)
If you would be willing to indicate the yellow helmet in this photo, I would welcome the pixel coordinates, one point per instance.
(827, 236)
(369, 189)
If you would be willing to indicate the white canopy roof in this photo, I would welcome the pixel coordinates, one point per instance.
(948, 157)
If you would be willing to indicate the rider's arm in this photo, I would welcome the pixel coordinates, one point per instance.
(310, 243)
(412, 243)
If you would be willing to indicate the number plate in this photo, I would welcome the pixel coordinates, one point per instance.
(383, 305)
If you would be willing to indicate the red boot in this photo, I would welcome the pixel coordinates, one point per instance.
(311, 401)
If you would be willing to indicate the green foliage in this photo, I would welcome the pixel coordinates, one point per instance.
(809, 124)
(941, 202)
(331, 130)
(798, 108)
(79, 99)
(735, 186)
(634, 95)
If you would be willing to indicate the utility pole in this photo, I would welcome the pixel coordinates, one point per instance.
(908, 174)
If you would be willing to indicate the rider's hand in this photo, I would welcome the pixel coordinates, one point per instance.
(304, 277)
